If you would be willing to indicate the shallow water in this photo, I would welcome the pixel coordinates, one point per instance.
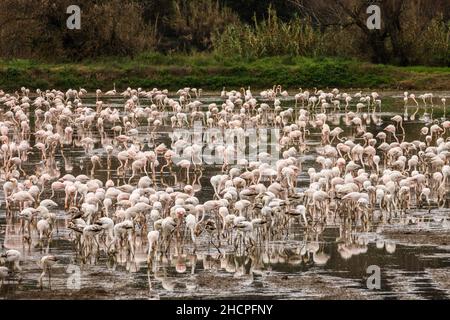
(414, 260)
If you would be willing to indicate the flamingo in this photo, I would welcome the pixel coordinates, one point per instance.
(46, 263)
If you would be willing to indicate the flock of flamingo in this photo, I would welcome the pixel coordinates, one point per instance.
(133, 195)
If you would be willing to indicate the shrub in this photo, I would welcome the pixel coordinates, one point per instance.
(37, 28)
(272, 36)
(194, 22)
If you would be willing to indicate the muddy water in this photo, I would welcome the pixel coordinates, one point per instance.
(414, 260)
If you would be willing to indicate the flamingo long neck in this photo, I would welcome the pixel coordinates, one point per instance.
(203, 216)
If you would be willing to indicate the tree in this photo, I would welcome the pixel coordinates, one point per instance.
(37, 29)
(400, 19)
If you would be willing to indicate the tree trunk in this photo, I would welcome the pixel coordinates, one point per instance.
(377, 43)
(399, 50)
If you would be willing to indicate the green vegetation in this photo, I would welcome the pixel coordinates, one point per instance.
(272, 36)
(212, 72)
(411, 32)
(215, 43)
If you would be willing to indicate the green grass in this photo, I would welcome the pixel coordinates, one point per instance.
(212, 72)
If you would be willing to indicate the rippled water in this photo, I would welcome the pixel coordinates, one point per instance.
(414, 260)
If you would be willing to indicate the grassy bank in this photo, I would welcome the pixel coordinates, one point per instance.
(212, 73)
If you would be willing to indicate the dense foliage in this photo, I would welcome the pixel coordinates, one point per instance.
(413, 32)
